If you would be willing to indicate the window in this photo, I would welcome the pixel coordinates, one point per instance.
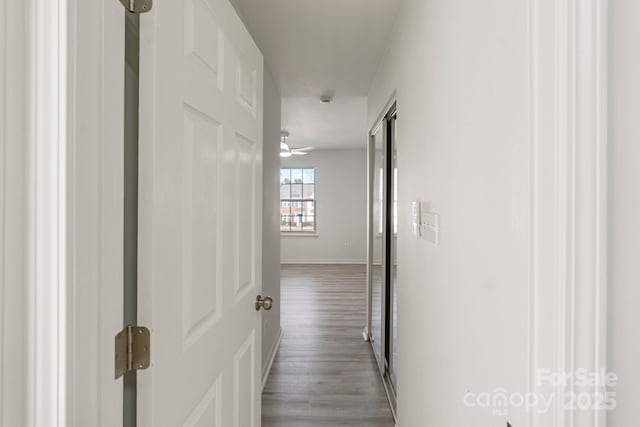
(298, 200)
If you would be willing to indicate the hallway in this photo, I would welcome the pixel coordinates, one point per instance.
(324, 373)
(207, 207)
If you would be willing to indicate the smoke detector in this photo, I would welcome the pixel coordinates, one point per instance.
(326, 99)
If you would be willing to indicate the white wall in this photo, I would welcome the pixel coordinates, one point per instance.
(271, 216)
(500, 130)
(341, 192)
(459, 70)
(624, 207)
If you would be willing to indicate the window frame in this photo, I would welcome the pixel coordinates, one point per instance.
(291, 201)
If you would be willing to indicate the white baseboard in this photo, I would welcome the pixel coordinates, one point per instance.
(272, 357)
(323, 261)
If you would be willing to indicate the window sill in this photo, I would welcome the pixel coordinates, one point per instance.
(294, 234)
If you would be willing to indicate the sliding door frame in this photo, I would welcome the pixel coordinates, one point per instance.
(385, 335)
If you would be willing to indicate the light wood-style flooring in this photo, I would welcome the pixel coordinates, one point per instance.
(325, 373)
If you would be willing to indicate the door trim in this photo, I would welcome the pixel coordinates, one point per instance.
(567, 197)
(61, 118)
(48, 213)
(95, 76)
(34, 213)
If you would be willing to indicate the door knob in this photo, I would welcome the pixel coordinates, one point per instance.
(266, 303)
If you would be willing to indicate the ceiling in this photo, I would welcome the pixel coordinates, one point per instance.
(316, 47)
(339, 125)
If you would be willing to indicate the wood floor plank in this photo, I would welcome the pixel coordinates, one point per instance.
(324, 374)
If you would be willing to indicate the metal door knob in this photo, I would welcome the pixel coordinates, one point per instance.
(266, 303)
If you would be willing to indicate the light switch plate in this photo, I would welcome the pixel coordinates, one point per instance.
(415, 218)
(430, 226)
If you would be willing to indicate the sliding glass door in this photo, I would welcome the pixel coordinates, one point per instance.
(382, 263)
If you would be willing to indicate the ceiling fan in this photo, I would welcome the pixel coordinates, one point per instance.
(286, 151)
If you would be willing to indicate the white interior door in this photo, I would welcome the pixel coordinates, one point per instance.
(200, 216)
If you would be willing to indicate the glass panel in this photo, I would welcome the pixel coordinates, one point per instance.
(309, 191)
(296, 191)
(309, 223)
(296, 220)
(308, 210)
(297, 213)
(309, 176)
(285, 216)
(285, 176)
(285, 191)
(296, 176)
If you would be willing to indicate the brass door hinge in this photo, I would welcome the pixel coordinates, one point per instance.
(132, 349)
(137, 6)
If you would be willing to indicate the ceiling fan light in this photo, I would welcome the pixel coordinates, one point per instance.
(285, 154)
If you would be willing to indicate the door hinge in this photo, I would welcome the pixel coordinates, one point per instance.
(132, 349)
(137, 6)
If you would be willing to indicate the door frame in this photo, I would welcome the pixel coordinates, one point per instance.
(95, 169)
